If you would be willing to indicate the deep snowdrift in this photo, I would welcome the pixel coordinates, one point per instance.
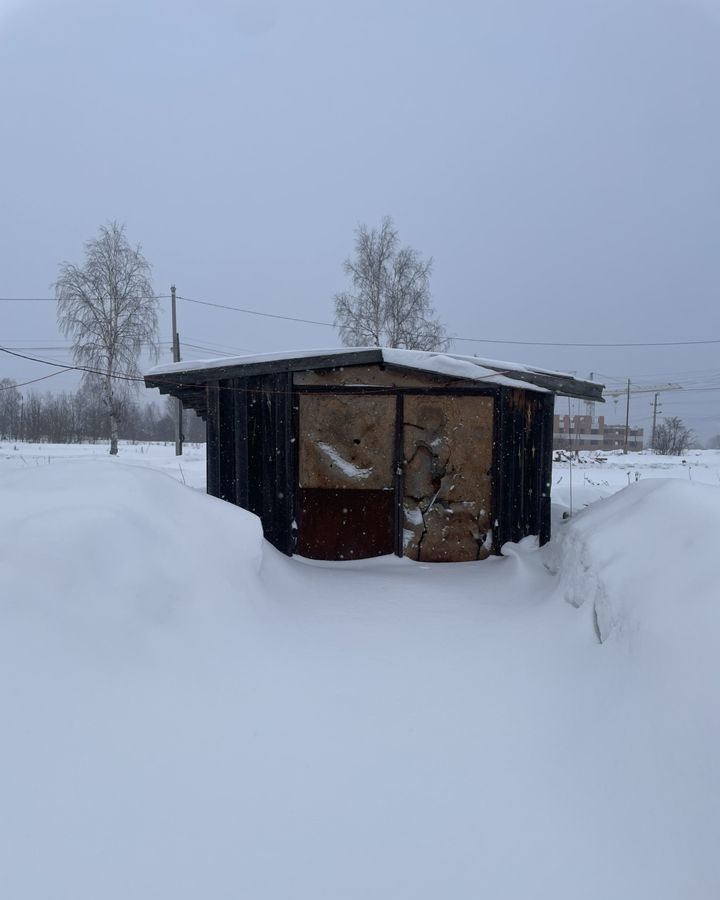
(188, 714)
(647, 558)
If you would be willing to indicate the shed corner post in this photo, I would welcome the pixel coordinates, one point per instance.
(499, 529)
(545, 465)
(399, 474)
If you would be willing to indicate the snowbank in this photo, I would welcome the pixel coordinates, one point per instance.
(644, 559)
(186, 713)
(104, 539)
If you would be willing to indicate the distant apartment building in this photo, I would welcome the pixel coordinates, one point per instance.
(583, 433)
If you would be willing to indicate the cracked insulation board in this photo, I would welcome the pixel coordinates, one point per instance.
(448, 488)
(346, 441)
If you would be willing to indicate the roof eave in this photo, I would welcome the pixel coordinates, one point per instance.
(182, 382)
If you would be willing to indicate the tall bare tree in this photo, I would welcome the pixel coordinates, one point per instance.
(108, 310)
(388, 304)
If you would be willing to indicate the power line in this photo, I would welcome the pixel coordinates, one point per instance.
(36, 347)
(55, 300)
(60, 347)
(14, 385)
(676, 374)
(588, 344)
(585, 344)
(203, 349)
(68, 368)
(37, 342)
(255, 312)
(471, 340)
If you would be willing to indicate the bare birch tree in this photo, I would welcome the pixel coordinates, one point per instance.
(672, 438)
(108, 310)
(388, 304)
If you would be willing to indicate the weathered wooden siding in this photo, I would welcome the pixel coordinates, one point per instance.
(523, 465)
(251, 456)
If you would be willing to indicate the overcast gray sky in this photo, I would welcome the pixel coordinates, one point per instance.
(559, 159)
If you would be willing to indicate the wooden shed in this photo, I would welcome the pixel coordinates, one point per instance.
(350, 454)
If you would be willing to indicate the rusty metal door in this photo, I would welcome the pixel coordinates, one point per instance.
(346, 498)
(447, 442)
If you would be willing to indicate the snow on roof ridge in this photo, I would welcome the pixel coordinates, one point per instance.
(391, 355)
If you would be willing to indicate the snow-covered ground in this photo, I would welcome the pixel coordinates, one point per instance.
(188, 468)
(186, 713)
(597, 475)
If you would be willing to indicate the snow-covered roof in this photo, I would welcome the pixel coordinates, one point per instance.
(468, 368)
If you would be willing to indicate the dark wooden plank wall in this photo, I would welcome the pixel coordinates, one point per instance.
(523, 465)
(213, 438)
(221, 441)
(272, 456)
(240, 418)
(251, 457)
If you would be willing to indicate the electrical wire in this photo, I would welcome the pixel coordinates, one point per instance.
(57, 365)
(62, 347)
(581, 344)
(15, 385)
(205, 348)
(55, 299)
(471, 340)
(590, 344)
(255, 312)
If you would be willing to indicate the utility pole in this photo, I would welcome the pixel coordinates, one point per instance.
(641, 389)
(627, 417)
(655, 402)
(176, 358)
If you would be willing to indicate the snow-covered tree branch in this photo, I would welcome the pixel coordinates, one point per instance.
(388, 304)
(108, 309)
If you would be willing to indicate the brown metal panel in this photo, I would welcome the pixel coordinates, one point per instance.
(345, 524)
(346, 441)
(448, 449)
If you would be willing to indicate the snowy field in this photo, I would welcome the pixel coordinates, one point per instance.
(595, 476)
(188, 714)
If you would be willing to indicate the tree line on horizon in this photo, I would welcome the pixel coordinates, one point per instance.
(81, 417)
